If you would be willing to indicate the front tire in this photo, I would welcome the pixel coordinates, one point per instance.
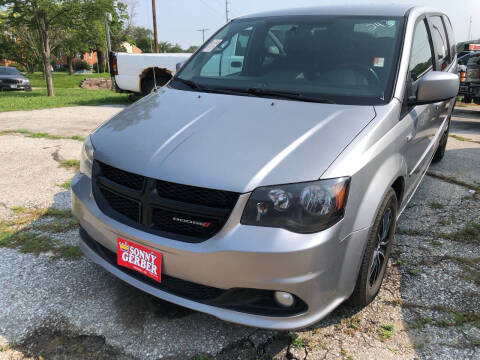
(377, 252)
(440, 153)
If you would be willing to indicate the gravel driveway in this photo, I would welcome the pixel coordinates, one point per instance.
(56, 304)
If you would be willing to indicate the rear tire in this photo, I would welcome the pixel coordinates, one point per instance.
(467, 99)
(377, 252)
(148, 85)
(476, 101)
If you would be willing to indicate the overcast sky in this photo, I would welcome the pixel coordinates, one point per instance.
(179, 20)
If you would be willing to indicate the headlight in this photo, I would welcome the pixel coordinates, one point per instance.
(86, 158)
(302, 208)
(25, 81)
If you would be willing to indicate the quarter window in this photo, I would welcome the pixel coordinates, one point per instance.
(441, 43)
(421, 60)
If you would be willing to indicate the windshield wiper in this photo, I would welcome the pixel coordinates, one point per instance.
(192, 84)
(287, 95)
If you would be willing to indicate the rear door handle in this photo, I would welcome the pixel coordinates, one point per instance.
(409, 137)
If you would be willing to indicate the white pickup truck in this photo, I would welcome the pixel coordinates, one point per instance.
(135, 72)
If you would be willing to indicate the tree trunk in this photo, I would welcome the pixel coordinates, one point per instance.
(101, 60)
(43, 33)
(46, 65)
(70, 65)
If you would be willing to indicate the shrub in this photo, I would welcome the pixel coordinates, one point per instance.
(79, 64)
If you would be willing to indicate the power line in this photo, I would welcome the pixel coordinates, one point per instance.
(210, 7)
(203, 34)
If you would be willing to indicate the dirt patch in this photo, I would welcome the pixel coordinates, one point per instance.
(96, 84)
(55, 345)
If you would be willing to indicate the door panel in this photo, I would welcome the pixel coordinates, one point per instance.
(424, 118)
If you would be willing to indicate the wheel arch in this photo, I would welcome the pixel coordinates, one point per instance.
(162, 76)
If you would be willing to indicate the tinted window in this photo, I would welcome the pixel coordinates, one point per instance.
(344, 59)
(421, 59)
(451, 37)
(440, 40)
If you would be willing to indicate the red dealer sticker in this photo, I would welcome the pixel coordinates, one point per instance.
(139, 258)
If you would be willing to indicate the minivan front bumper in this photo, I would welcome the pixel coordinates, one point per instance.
(318, 269)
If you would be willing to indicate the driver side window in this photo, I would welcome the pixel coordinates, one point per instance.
(421, 58)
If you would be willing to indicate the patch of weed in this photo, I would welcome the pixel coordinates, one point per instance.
(413, 271)
(411, 232)
(386, 331)
(57, 227)
(70, 164)
(66, 185)
(296, 341)
(469, 234)
(436, 205)
(420, 322)
(41, 135)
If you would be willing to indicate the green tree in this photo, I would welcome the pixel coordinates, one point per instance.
(192, 49)
(142, 38)
(19, 44)
(53, 21)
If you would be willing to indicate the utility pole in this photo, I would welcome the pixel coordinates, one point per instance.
(226, 9)
(155, 34)
(470, 30)
(203, 34)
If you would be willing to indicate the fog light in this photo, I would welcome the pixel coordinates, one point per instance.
(284, 299)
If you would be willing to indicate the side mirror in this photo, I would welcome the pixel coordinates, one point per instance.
(180, 65)
(436, 86)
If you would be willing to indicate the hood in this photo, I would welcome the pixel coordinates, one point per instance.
(228, 142)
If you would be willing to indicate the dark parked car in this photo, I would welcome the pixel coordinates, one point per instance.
(470, 79)
(12, 79)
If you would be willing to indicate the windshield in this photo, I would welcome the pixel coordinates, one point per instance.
(9, 71)
(340, 59)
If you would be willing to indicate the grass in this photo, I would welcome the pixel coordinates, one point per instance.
(41, 135)
(385, 331)
(25, 235)
(37, 99)
(469, 234)
(436, 205)
(66, 185)
(70, 164)
(296, 341)
(455, 181)
(62, 80)
(461, 138)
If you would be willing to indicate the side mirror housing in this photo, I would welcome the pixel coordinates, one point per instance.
(436, 86)
(180, 65)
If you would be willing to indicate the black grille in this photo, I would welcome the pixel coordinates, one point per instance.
(197, 195)
(12, 81)
(121, 177)
(121, 204)
(176, 211)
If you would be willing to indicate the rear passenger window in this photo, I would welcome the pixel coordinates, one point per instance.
(440, 40)
(421, 60)
(451, 37)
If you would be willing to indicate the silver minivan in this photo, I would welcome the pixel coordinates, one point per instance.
(262, 185)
